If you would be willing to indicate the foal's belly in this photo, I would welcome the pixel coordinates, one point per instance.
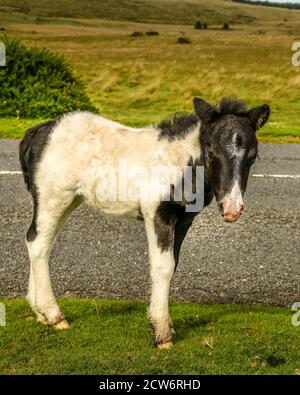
(120, 209)
(103, 190)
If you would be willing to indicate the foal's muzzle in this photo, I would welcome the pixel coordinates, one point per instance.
(230, 214)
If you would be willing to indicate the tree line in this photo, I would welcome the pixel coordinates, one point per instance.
(266, 3)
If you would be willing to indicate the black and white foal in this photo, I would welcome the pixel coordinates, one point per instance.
(82, 157)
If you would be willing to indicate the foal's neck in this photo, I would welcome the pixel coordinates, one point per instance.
(187, 149)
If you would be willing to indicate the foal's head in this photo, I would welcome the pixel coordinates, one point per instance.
(229, 148)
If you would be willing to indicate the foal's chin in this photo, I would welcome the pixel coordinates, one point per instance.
(231, 217)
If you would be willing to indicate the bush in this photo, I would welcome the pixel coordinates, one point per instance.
(37, 83)
(183, 40)
(152, 33)
(226, 26)
(136, 34)
(198, 25)
(205, 26)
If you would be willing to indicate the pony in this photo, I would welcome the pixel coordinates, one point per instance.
(84, 158)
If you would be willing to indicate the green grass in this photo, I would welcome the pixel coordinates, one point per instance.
(112, 337)
(15, 128)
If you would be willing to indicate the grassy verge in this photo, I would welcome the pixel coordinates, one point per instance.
(15, 128)
(112, 337)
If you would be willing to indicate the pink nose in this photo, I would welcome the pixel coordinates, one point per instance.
(231, 217)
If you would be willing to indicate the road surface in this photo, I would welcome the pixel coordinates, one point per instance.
(255, 260)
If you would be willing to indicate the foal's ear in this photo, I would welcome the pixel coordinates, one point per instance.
(259, 116)
(204, 110)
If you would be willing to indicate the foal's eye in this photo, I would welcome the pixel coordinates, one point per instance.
(252, 159)
(210, 155)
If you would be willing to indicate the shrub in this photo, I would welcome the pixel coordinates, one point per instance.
(226, 26)
(198, 25)
(183, 40)
(39, 20)
(38, 83)
(136, 34)
(152, 33)
(205, 26)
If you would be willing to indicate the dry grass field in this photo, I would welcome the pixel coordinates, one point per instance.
(139, 80)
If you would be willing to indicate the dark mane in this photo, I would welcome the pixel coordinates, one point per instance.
(229, 106)
(177, 126)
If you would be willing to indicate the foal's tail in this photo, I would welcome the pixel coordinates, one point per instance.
(24, 147)
(31, 148)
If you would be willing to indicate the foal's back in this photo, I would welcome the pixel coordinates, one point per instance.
(81, 141)
(86, 137)
(78, 152)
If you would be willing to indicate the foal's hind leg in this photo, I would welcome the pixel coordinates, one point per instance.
(31, 297)
(50, 217)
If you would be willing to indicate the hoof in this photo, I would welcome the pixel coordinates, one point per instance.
(165, 346)
(42, 320)
(62, 325)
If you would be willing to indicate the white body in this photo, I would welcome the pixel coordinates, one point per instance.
(71, 172)
(83, 144)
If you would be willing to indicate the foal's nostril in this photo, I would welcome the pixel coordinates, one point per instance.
(221, 208)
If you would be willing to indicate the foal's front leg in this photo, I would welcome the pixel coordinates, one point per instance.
(160, 234)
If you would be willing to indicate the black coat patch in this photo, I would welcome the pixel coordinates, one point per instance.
(164, 224)
(30, 151)
(177, 127)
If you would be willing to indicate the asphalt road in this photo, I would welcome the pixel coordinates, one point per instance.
(255, 260)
